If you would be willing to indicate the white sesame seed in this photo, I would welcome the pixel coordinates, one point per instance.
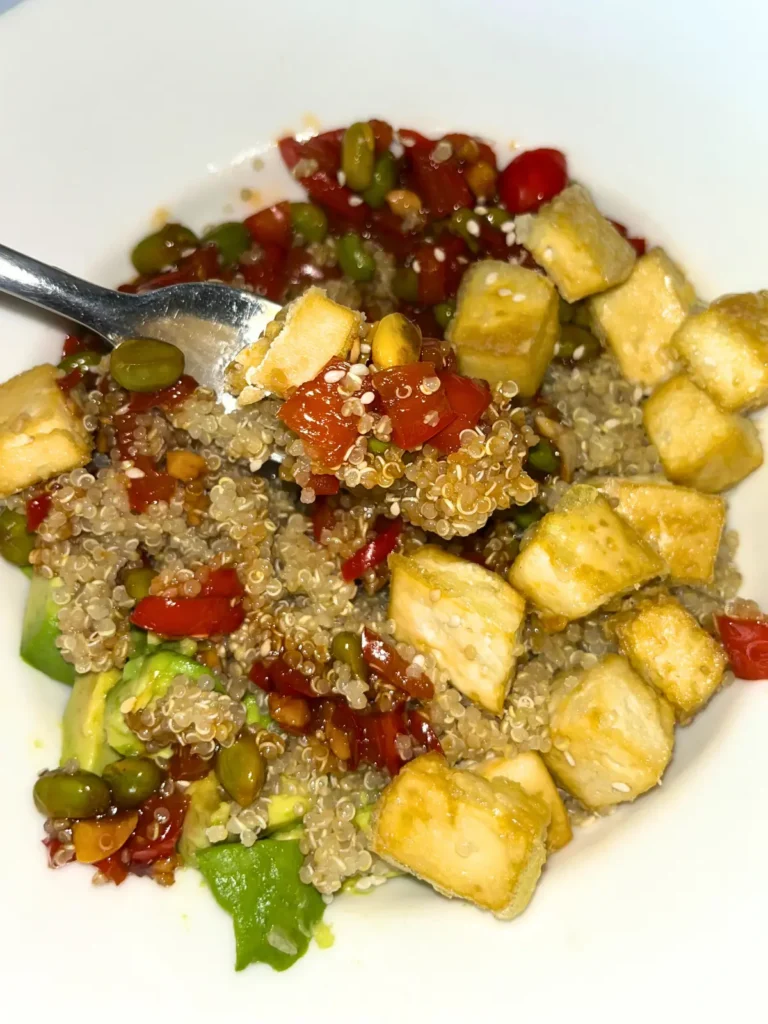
(367, 398)
(134, 473)
(359, 370)
(408, 142)
(504, 293)
(394, 508)
(578, 352)
(348, 452)
(439, 255)
(334, 376)
(416, 267)
(341, 177)
(396, 148)
(127, 706)
(620, 787)
(548, 254)
(355, 201)
(519, 297)
(481, 210)
(569, 758)
(510, 238)
(508, 225)
(462, 259)
(491, 278)
(443, 151)
(473, 228)
(454, 621)
(610, 424)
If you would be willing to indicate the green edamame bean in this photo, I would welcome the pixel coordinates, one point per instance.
(348, 647)
(132, 781)
(231, 239)
(241, 769)
(460, 224)
(162, 248)
(444, 313)
(354, 259)
(384, 179)
(80, 361)
(405, 284)
(16, 542)
(497, 217)
(543, 458)
(145, 364)
(79, 794)
(377, 446)
(137, 581)
(309, 221)
(527, 515)
(358, 148)
(577, 344)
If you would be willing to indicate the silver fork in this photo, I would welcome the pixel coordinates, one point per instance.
(209, 322)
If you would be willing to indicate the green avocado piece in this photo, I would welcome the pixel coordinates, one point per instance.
(83, 730)
(286, 809)
(205, 808)
(41, 629)
(273, 911)
(145, 679)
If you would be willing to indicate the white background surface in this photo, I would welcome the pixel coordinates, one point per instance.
(108, 111)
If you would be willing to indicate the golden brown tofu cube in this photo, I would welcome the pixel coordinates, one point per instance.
(581, 555)
(506, 324)
(530, 773)
(315, 330)
(725, 349)
(637, 319)
(699, 444)
(578, 247)
(612, 734)
(41, 430)
(683, 525)
(466, 616)
(670, 650)
(481, 841)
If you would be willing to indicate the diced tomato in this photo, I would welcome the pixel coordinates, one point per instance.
(267, 276)
(314, 413)
(37, 509)
(186, 766)
(271, 226)
(70, 380)
(277, 676)
(532, 178)
(323, 483)
(222, 583)
(416, 415)
(746, 644)
(168, 398)
(382, 134)
(374, 551)
(384, 659)
(420, 727)
(469, 399)
(386, 228)
(432, 275)
(384, 728)
(153, 486)
(200, 265)
(414, 141)
(152, 839)
(198, 617)
(113, 868)
(74, 344)
(260, 677)
(322, 518)
(441, 185)
(326, 191)
(325, 149)
(492, 241)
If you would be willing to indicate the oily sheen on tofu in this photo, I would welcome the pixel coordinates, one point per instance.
(479, 840)
(581, 555)
(41, 430)
(576, 245)
(506, 324)
(466, 616)
(612, 734)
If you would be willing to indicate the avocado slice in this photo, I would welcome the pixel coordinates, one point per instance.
(144, 679)
(40, 631)
(206, 808)
(285, 810)
(83, 730)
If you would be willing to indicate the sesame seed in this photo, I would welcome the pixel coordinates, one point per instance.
(443, 151)
(473, 228)
(510, 238)
(548, 254)
(408, 142)
(439, 255)
(355, 201)
(396, 148)
(569, 758)
(491, 278)
(394, 508)
(620, 787)
(127, 706)
(481, 210)
(503, 293)
(611, 424)
(578, 352)
(416, 267)
(134, 473)
(519, 297)
(334, 376)
(462, 259)
(454, 621)
(435, 595)
(359, 370)
(341, 177)
(367, 398)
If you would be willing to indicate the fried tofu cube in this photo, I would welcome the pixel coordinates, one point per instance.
(506, 324)
(578, 247)
(612, 734)
(315, 330)
(466, 616)
(637, 319)
(530, 773)
(41, 430)
(683, 525)
(581, 555)
(669, 649)
(700, 445)
(725, 349)
(480, 840)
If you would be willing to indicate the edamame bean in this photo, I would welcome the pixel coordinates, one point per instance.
(80, 361)
(377, 446)
(348, 647)
(137, 581)
(383, 181)
(241, 769)
(577, 344)
(145, 364)
(162, 248)
(405, 284)
(133, 780)
(443, 312)
(309, 221)
(527, 515)
(357, 154)
(461, 224)
(543, 458)
(231, 238)
(354, 259)
(79, 794)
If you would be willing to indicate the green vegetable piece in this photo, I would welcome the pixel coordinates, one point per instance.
(460, 224)
(358, 148)
(162, 249)
(376, 446)
(527, 515)
(146, 364)
(79, 794)
(405, 284)
(137, 581)
(133, 780)
(543, 458)
(80, 361)
(497, 217)
(309, 221)
(577, 344)
(205, 808)
(241, 770)
(16, 542)
(354, 259)
(443, 312)
(274, 913)
(384, 180)
(40, 630)
(254, 715)
(285, 810)
(83, 733)
(348, 647)
(231, 239)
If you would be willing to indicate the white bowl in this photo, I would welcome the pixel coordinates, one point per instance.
(111, 111)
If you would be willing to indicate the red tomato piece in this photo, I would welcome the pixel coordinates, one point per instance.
(326, 191)
(441, 185)
(167, 398)
(185, 766)
(382, 134)
(199, 617)
(432, 274)
(532, 178)
(385, 727)
(260, 677)
(289, 681)
(152, 839)
(416, 415)
(323, 484)
(469, 399)
(384, 659)
(325, 149)
(420, 727)
(222, 583)
(113, 868)
(70, 380)
(746, 644)
(37, 509)
(314, 412)
(374, 551)
(386, 228)
(74, 344)
(153, 486)
(414, 141)
(267, 276)
(271, 226)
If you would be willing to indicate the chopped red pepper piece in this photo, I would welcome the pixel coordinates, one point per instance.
(314, 413)
(199, 617)
(384, 659)
(186, 766)
(382, 134)
(326, 190)
(374, 551)
(532, 178)
(52, 847)
(300, 269)
(432, 275)
(152, 839)
(322, 518)
(417, 413)
(74, 344)
(746, 644)
(324, 484)
(277, 676)
(267, 276)
(469, 399)
(414, 141)
(222, 583)
(271, 226)
(439, 352)
(38, 508)
(638, 244)
(153, 486)
(70, 380)
(113, 868)
(325, 149)
(420, 727)
(167, 398)
(441, 185)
